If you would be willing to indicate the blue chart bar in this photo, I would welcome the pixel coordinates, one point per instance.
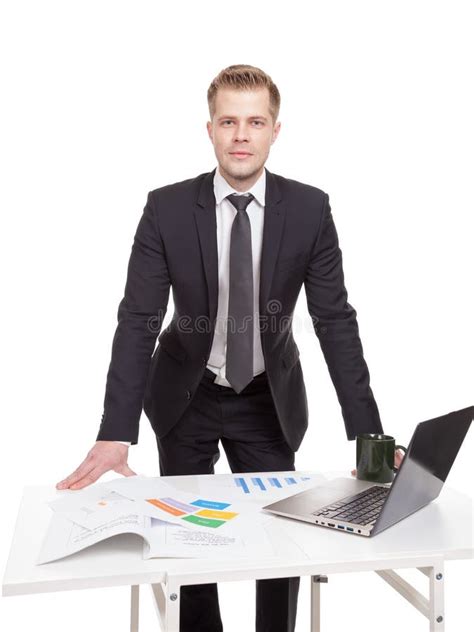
(209, 504)
(251, 485)
(259, 483)
(275, 482)
(240, 482)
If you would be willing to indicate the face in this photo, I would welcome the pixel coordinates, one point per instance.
(242, 131)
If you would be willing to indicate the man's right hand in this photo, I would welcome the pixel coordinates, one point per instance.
(103, 457)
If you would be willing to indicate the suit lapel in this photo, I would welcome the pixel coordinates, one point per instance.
(205, 216)
(274, 220)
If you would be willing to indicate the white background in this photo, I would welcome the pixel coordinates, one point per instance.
(104, 101)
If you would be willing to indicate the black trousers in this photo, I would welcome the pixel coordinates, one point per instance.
(248, 428)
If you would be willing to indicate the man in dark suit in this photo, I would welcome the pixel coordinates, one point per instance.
(235, 245)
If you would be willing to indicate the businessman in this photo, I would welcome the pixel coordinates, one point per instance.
(235, 245)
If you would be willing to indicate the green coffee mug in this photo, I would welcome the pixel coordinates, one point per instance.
(375, 459)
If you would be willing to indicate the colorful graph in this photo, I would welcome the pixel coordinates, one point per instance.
(205, 513)
(260, 483)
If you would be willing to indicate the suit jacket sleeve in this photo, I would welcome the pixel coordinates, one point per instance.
(140, 317)
(335, 324)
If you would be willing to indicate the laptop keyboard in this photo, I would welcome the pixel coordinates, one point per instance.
(362, 508)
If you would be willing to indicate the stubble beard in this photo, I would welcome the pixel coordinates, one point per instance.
(246, 172)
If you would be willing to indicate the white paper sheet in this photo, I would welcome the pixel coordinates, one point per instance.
(169, 540)
(92, 506)
(200, 524)
(65, 537)
(260, 489)
(156, 498)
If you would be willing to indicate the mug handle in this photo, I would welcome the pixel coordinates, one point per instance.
(399, 447)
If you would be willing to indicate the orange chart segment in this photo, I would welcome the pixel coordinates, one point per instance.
(161, 505)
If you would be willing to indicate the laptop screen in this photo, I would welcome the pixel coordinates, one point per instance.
(429, 458)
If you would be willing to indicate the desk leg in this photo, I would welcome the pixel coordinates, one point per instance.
(316, 581)
(436, 613)
(433, 607)
(134, 608)
(173, 606)
(167, 605)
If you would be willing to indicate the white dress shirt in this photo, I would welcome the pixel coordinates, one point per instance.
(225, 213)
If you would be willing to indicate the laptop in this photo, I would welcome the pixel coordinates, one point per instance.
(365, 508)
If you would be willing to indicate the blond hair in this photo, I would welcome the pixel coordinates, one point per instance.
(244, 77)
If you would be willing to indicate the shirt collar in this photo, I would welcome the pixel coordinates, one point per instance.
(222, 188)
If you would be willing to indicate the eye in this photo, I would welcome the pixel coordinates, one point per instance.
(260, 123)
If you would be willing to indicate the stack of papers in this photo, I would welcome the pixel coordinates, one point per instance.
(221, 519)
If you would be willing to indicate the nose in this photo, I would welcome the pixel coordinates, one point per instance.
(241, 133)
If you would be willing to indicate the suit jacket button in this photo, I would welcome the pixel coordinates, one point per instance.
(188, 394)
(323, 330)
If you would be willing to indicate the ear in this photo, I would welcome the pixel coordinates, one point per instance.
(209, 130)
(276, 131)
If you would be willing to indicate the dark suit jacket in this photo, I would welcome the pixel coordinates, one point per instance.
(175, 246)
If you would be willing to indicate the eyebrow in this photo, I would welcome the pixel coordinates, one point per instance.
(221, 118)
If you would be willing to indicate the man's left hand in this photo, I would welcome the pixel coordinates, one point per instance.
(398, 461)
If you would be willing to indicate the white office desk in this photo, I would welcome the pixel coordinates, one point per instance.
(442, 531)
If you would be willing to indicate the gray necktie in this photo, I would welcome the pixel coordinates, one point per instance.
(239, 356)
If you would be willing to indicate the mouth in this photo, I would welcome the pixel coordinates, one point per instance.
(240, 154)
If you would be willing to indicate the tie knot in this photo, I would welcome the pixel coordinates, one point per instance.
(240, 202)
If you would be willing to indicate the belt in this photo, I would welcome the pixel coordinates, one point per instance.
(210, 375)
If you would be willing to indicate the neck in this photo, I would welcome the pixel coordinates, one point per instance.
(240, 184)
